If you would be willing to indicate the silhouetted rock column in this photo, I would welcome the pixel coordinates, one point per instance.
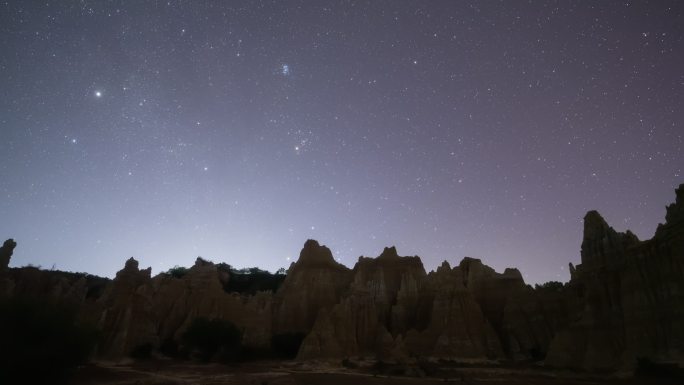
(314, 282)
(6, 252)
(675, 211)
(600, 241)
(627, 297)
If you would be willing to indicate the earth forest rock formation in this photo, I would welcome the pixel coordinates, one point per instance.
(624, 302)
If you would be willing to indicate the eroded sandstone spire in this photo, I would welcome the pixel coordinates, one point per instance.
(6, 252)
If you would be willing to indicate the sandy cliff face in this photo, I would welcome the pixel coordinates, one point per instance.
(126, 321)
(142, 310)
(75, 290)
(393, 284)
(456, 328)
(627, 297)
(199, 293)
(382, 296)
(314, 283)
(395, 310)
(624, 301)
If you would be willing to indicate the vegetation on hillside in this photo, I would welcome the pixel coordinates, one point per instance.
(244, 281)
(41, 342)
(250, 280)
(212, 340)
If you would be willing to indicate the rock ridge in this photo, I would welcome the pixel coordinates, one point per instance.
(624, 301)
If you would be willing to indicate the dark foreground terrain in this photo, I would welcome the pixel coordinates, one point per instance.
(288, 373)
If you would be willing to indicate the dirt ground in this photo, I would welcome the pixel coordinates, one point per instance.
(288, 373)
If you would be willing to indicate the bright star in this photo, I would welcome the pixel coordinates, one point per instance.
(98, 94)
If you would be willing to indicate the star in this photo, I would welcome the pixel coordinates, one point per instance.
(298, 109)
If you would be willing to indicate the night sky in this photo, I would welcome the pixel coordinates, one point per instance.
(235, 130)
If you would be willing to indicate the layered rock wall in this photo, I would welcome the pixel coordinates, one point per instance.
(625, 301)
(627, 297)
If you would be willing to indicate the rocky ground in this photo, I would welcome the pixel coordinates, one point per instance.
(287, 373)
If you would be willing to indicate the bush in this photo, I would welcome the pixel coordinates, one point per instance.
(41, 342)
(244, 281)
(177, 271)
(287, 345)
(649, 368)
(142, 352)
(349, 364)
(551, 286)
(536, 354)
(213, 339)
(169, 347)
(251, 280)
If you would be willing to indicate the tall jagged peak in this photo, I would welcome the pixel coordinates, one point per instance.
(600, 239)
(513, 273)
(313, 251)
(595, 227)
(206, 268)
(131, 264)
(6, 252)
(131, 269)
(390, 258)
(311, 243)
(445, 266)
(675, 211)
(201, 262)
(466, 262)
(474, 271)
(389, 252)
(315, 255)
(9, 245)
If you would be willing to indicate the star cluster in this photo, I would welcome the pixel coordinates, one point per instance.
(237, 130)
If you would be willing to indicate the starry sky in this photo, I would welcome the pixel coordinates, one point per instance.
(235, 130)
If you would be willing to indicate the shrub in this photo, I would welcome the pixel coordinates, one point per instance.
(213, 339)
(349, 364)
(287, 345)
(251, 280)
(37, 334)
(169, 347)
(142, 352)
(177, 271)
(648, 368)
(536, 354)
(551, 286)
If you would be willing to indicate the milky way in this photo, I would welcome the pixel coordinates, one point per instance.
(237, 130)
